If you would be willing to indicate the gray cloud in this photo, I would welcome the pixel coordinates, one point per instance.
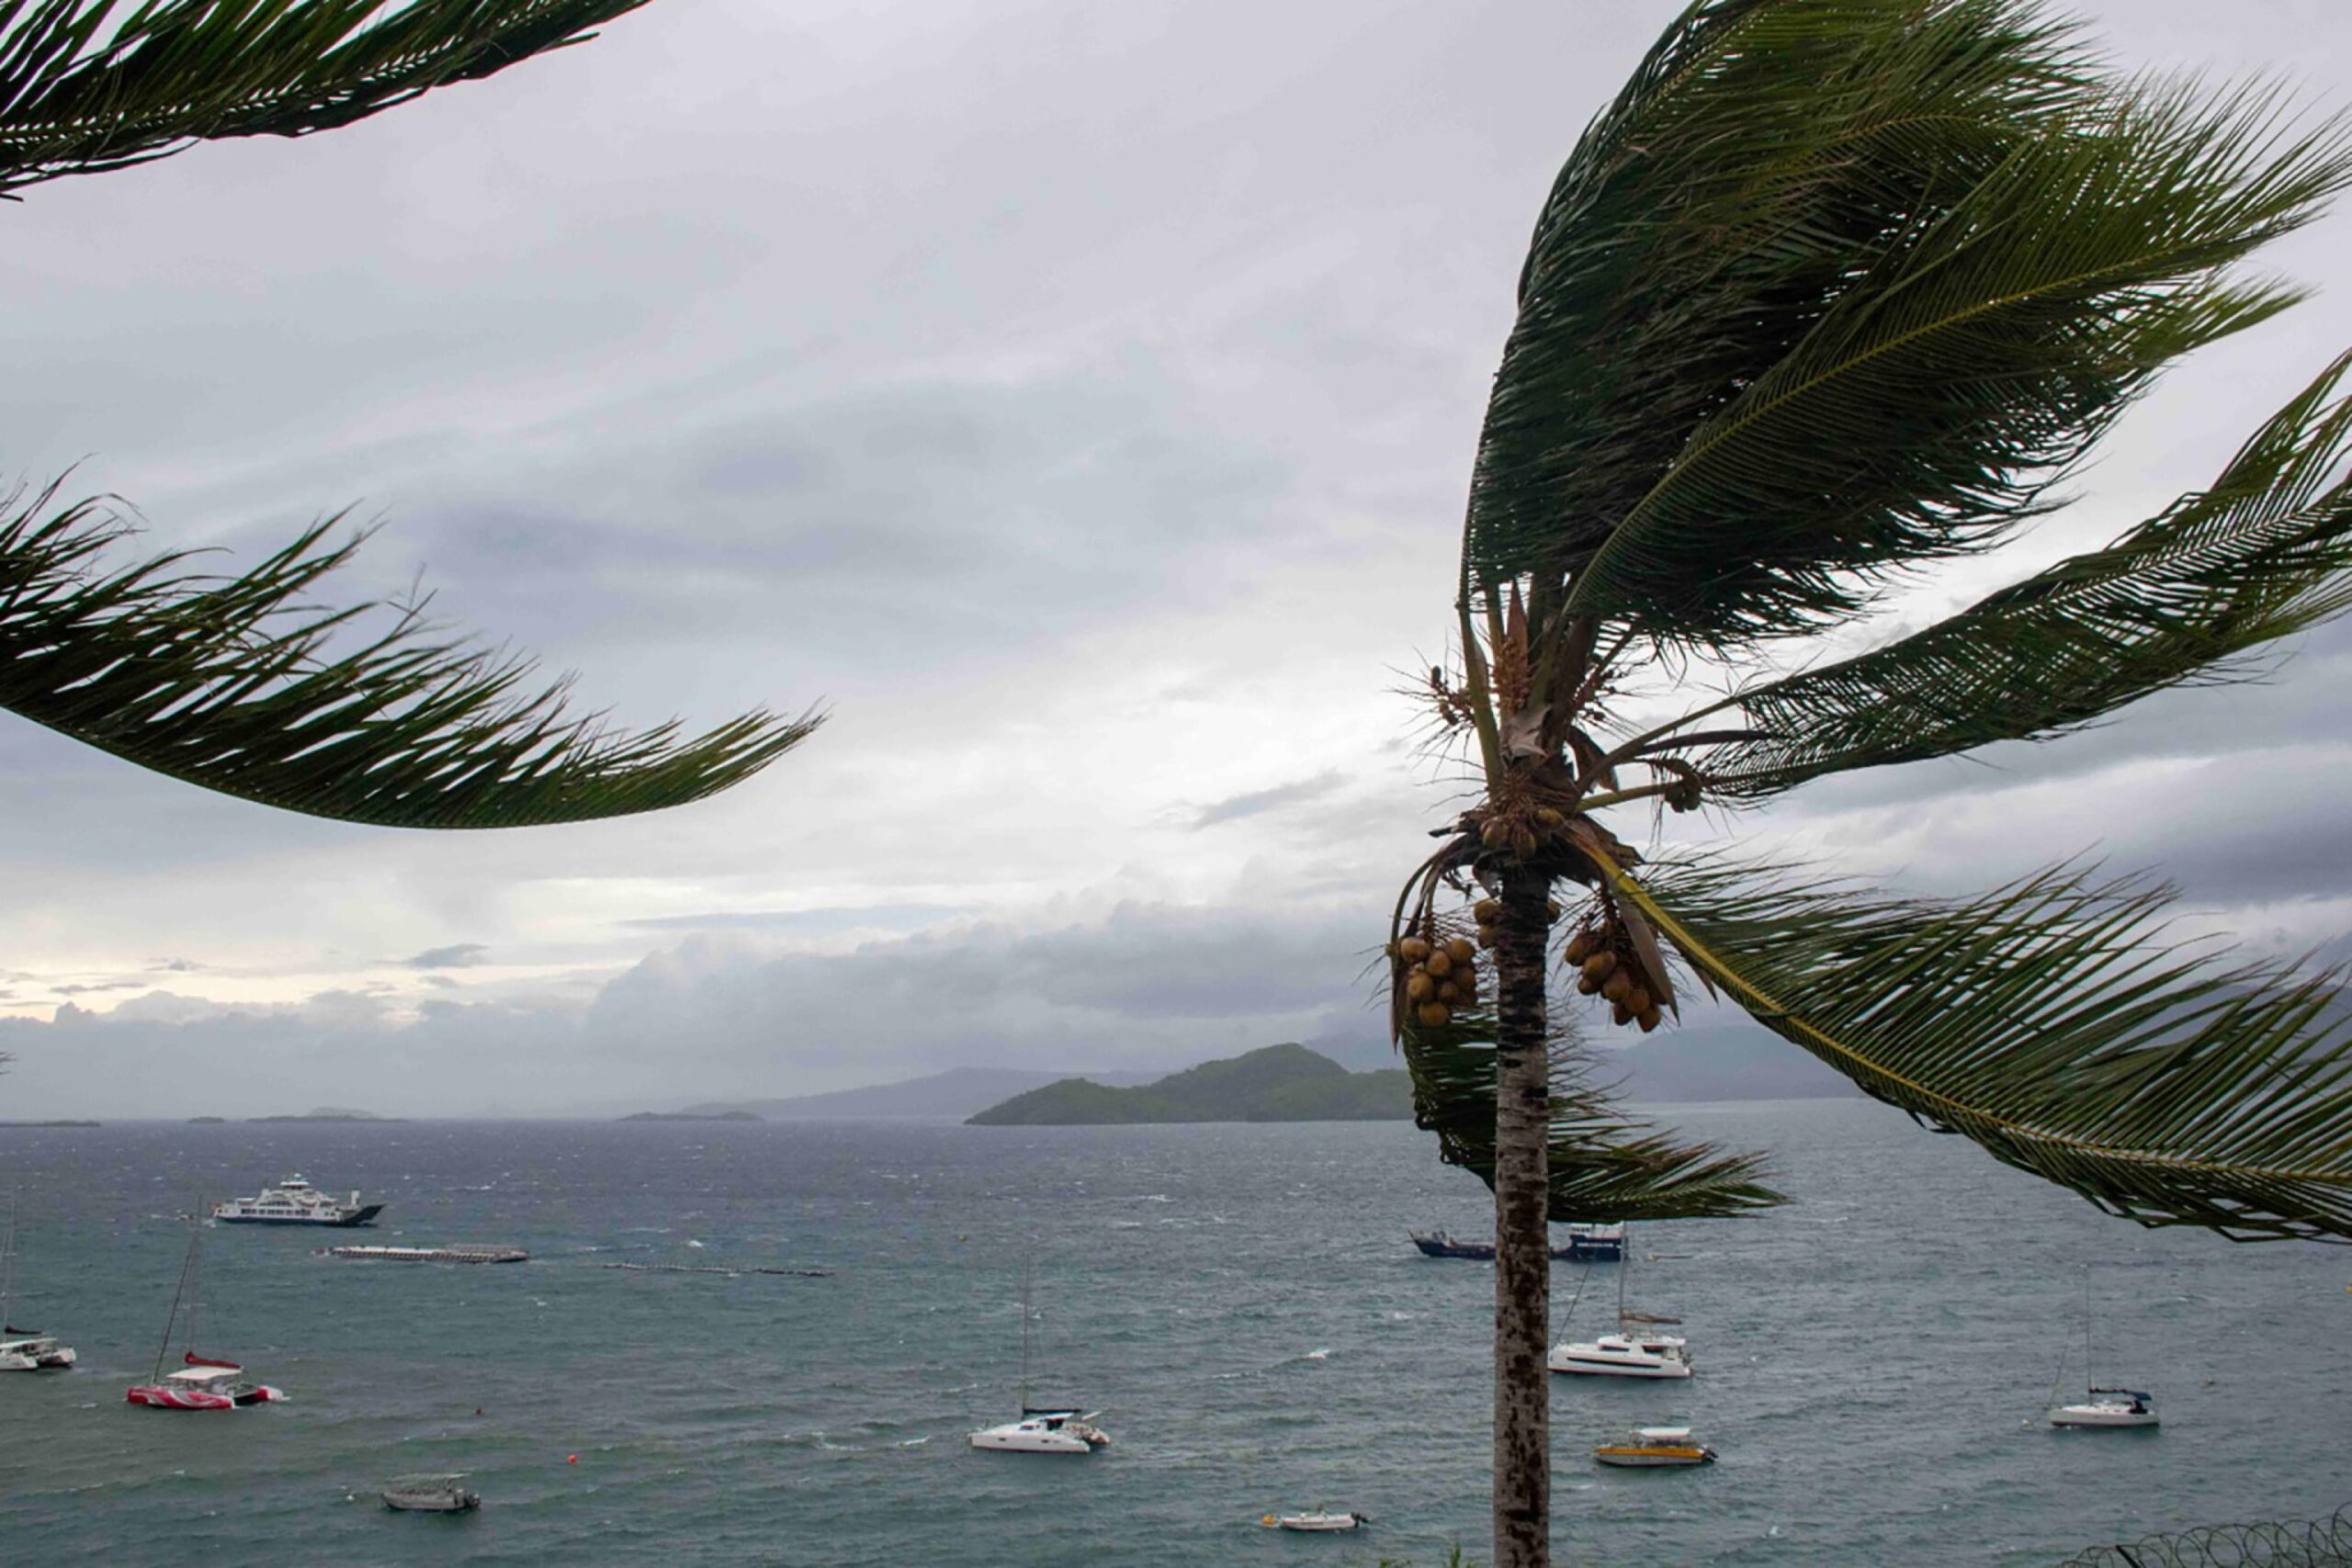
(457, 955)
(1255, 802)
(1144, 986)
(852, 918)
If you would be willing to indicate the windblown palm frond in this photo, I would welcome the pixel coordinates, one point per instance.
(92, 85)
(231, 683)
(2267, 551)
(2050, 1021)
(1838, 286)
(1603, 1167)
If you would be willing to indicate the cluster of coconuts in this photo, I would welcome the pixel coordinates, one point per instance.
(1521, 833)
(1609, 968)
(1440, 974)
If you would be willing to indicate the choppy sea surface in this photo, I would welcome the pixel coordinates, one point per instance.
(1241, 1302)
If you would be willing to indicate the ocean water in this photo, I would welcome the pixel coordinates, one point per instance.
(1239, 1302)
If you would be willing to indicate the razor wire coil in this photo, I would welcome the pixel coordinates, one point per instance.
(2280, 1543)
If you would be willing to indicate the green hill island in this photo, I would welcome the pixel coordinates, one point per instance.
(1278, 1083)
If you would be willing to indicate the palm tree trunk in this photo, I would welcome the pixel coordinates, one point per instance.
(1522, 1243)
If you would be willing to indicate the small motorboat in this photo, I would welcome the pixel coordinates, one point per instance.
(2107, 1408)
(1654, 1448)
(1318, 1522)
(1045, 1432)
(430, 1494)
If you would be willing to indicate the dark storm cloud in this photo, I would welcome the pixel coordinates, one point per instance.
(457, 955)
(1255, 802)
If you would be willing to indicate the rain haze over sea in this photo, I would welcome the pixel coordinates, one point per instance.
(1241, 1302)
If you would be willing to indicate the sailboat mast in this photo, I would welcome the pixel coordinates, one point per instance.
(2090, 1377)
(8, 1265)
(171, 1320)
(1624, 1266)
(1028, 1319)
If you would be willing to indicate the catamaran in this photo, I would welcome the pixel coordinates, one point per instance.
(1042, 1430)
(203, 1383)
(1636, 1350)
(22, 1350)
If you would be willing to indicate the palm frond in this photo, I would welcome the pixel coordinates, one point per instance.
(87, 85)
(2053, 1022)
(1840, 285)
(1604, 1167)
(233, 683)
(2178, 601)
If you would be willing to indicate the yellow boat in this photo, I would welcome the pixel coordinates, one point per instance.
(1654, 1448)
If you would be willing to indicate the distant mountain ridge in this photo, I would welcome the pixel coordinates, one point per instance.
(1275, 1083)
(954, 1094)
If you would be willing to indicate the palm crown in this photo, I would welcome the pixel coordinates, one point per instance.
(1832, 290)
(1836, 290)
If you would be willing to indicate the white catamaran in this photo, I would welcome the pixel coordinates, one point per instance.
(22, 1350)
(1042, 1430)
(1636, 1350)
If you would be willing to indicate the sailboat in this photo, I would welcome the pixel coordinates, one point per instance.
(1636, 1350)
(202, 1383)
(22, 1350)
(2100, 1406)
(1042, 1430)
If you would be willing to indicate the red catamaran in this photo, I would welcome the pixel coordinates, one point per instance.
(202, 1383)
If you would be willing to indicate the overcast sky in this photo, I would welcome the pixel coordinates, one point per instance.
(1077, 400)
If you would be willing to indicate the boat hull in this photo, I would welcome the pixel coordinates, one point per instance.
(49, 1358)
(1579, 1367)
(1654, 1458)
(2101, 1415)
(365, 1215)
(157, 1396)
(1314, 1524)
(431, 1503)
(1030, 1443)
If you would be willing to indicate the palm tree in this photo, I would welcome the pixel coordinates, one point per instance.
(366, 712)
(1834, 290)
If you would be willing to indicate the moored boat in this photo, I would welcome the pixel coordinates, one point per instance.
(1317, 1522)
(1444, 1244)
(22, 1350)
(295, 1202)
(1655, 1448)
(2107, 1408)
(203, 1383)
(220, 1385)
(1624, 1355)
(1638, 1348)
(29, 1350)
(429, 1494)
(2099, 1406)
(1042, 1430)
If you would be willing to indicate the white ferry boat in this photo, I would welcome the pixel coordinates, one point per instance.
(295, 1202)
